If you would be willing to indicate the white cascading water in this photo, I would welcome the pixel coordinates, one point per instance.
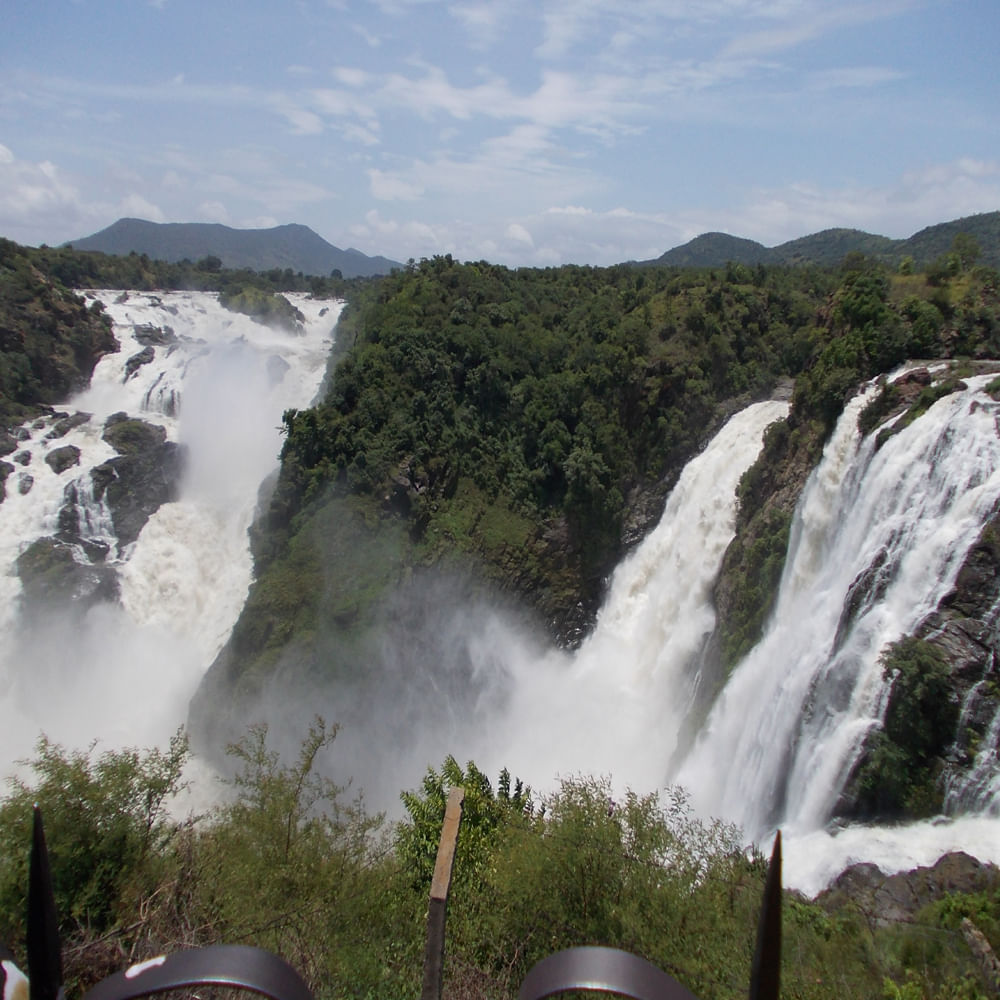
(788, 726)
(781, 736)
(125, 673)
(616, 705)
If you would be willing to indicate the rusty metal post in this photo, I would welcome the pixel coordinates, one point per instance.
(438, 905)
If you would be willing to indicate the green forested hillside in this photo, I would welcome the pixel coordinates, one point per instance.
(829, 247)
(524, 427)
(50, 339)
(516, 424)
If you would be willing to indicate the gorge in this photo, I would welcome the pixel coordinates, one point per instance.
(778, 745)
(125, 532)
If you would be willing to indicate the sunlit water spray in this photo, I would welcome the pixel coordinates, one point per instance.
(218, 383)
(616, 705)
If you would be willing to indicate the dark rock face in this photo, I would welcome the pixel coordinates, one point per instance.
(61, 459)
(154, 336)
(888, 899)
(65, 424)
(5, 470)
(145, 474)
(135, 362)
(71, 569)
(52, 576)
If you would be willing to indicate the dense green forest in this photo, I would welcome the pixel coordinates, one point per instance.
(529, 423)
(291, 863)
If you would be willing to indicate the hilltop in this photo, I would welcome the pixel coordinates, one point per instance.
(292, 246)
(830, 246)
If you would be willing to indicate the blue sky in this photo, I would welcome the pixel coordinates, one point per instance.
(529, 132)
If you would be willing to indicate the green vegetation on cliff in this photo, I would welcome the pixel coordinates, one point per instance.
(897, 777)
(50, 339)
(503, 422)
(266, 306)
(524, 424)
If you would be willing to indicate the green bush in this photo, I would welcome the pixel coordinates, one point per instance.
(107, 828)
(898, 775)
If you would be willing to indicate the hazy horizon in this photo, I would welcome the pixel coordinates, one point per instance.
(525, 133)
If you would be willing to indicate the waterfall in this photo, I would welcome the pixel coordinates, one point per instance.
(877, 542)
(217, 383)
(617, 704)
(878, 538)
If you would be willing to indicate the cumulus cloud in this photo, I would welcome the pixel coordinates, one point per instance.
(517, 233)
(214, 211)
(37, 202)
(136, 207)
(917, 198)
(351, 76)
(392, 187)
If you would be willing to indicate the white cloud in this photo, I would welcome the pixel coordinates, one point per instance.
(792, 24)
(853, 76)
(214, 211)
(352, 77)
(134, 206)
(918, 198)
(392, 187)
(371, 39)
(594, 103)
(37, 203)
(259, 222)
(516, 232)
(303, 121)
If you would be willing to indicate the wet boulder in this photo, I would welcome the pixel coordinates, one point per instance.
(61, 459)
(145, 474)
(53, 576)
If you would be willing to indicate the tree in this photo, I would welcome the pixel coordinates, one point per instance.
(966, 247)
(106, 825)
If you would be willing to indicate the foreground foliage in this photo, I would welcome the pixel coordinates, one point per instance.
(287, 862)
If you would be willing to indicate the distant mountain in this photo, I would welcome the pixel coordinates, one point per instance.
(831, 246)
(292, 246)
(710, 248)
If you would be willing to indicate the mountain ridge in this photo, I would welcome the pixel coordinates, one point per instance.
(292, 245)
(828, 247)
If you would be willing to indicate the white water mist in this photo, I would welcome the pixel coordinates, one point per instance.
(616, 705)
(218, 383)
